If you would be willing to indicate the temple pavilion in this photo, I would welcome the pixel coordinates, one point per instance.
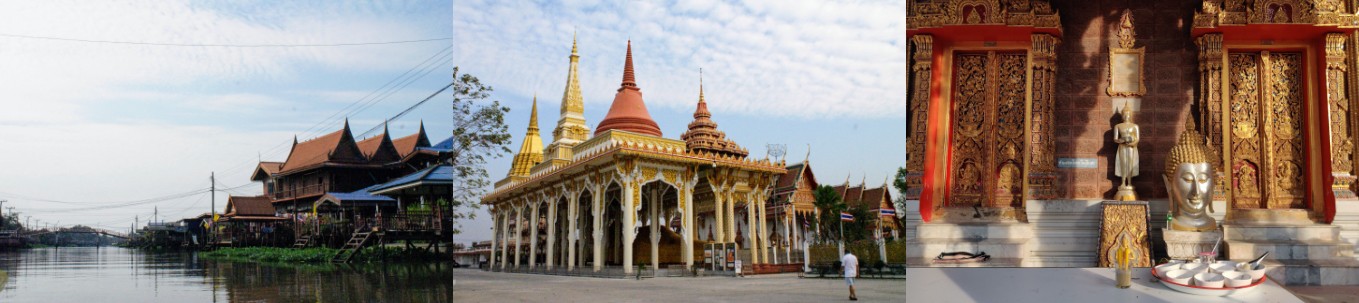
(626, 195)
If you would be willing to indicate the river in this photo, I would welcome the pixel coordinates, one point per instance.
(107, 274)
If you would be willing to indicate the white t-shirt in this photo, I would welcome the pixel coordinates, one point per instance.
(851, 264)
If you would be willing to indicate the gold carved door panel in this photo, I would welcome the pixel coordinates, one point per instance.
(1267, 163)
(988, 129)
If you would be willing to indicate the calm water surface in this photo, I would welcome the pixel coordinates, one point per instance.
(87, 275)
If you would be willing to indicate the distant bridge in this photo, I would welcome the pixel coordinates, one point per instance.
(34, 233)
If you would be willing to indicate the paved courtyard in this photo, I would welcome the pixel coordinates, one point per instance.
(473, 285)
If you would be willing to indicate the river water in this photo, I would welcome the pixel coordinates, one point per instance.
(88, 275)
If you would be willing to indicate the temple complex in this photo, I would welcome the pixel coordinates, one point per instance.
(625, 195)
(1012, 107)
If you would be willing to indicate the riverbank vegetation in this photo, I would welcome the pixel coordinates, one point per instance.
(317, 254)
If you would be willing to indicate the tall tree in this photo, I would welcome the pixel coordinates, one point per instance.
(479, 134)
(900, 183)
(830, 204)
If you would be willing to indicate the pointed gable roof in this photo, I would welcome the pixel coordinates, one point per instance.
(337, 146)
(265, 169)
(408, 144)
(379, 149)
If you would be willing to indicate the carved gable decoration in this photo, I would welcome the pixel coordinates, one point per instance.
(1214, 13)
(938, 13)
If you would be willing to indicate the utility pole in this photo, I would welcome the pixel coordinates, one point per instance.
(212, 212)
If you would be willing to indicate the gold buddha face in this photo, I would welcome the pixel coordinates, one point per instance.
(1193, 184)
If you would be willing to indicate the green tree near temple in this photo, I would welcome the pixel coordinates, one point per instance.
(900, 183)
(479, 134)
(830, 203)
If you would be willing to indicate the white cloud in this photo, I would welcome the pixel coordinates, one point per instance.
(785, 58)
(84, 121)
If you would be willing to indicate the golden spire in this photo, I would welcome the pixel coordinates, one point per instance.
(700, 85)
(533, 117)
(531, 150)
(571, 127)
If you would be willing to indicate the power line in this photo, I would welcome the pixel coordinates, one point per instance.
(219, 45)
(409, 109)
(314, 128)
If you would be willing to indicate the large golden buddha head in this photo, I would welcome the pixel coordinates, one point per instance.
(1189, 178)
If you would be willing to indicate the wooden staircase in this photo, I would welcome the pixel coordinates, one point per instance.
(360, 239)
(302, 242)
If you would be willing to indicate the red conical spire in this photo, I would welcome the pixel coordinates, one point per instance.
(628, 112)
(629, 80)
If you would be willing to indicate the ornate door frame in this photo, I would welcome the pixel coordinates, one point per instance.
(937, 29)
(1322, 31)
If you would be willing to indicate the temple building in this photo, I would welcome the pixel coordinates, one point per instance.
(1012, 105)
(625, 195)
(872, 200)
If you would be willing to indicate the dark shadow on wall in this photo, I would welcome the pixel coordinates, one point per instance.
(1084, 116)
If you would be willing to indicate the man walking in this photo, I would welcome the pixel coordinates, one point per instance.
(850, 269)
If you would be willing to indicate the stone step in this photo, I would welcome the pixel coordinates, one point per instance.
(1313, 272)
(974, 231)
(1290, 250)
(1279, 232)
(997, 248)
(993, 262)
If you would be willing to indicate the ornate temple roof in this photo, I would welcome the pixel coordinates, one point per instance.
(703, 134)
(628, 112)
(531, 150)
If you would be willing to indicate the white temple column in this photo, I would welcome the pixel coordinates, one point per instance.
(787, 237)
(730, 227)
(764, 227)
(533, 235)
(598, 232)
(752, 231)
(653, 207)
(629, 222)
(685, 194)
(518, 234)
(572, 234)
(504, 239)
(552, 232)
(495, 237)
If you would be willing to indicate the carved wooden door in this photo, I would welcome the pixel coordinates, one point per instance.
(987, 136)
(1265, 156)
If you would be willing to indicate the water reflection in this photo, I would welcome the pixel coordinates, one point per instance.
(124, 275)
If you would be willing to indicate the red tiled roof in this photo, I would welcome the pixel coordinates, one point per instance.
(370, 145)
(249, 206)
(790, 179)
(265, 169)
(379, 149)
(407, 145)
(872, 198)
(337, 146)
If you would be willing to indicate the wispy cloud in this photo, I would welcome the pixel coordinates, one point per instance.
(106, 122)
(785, 58)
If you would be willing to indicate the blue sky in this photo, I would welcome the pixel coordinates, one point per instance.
(95, 123)
(829, 74)
(98, 123)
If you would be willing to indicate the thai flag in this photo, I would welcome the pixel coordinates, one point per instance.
(887, 212)
(844, 216)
